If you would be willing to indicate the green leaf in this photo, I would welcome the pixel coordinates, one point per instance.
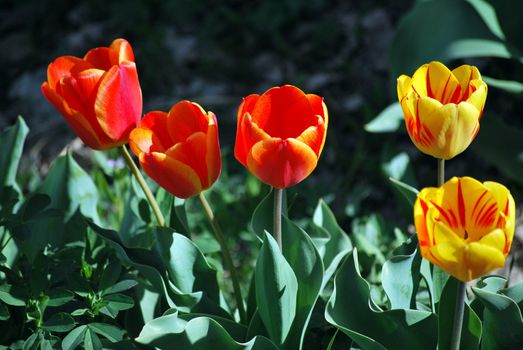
(491, 147)
(172, 333)
(110, 275)
(338, 243)
(74, 338)
(389, 120)
(512, 86)
(471, 331)
(276, 290)
(59, 297)
(352, 311)
(107, 331)
(119, 287)
(261, 218)
(115, 303)
(400, 278)
(508, 12)
(32, 342)
(515, 293)
(71, 188)
(502, 321)
(91, 341)
(307, 265)
(4, 312)
(12, 295)
(60, 322)
(11, 143)
(417, 42)
(409, 192)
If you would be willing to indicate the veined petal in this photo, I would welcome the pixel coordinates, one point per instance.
(442, 85)
(465, 74)
(478, 97)
(507, 209)
(118, 105)
(403, 86)
(419, 81)
(176, 177)
(281, 163)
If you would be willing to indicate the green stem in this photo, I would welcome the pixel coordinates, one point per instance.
(441, 171)
(459, 311)
(227, 259)
(278, 199)
(148, 194)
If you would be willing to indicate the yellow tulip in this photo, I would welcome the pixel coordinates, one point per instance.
(465, 227)
(442, 108)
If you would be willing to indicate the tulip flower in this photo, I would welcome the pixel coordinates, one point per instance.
(442, 108)
(465, 227)
(280, 135)
(179, 150)
(99, 95)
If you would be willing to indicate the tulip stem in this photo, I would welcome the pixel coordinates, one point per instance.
(148, 194)
(227, 259)
(441, 171)
(278, 199)
(459, 311)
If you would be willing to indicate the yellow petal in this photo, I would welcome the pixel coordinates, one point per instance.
(495, 239)
(403, 86)
(480, 259)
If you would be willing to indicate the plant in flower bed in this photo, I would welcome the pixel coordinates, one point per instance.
(75, 274)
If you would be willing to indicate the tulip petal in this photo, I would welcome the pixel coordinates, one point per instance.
(442, 85)
(156, 121)
(478, 97)
(192, 153)
(248, 134)
(314, 136)
(186, 118)
(465, 74)
(64, 66)
(176, 177)
(481, 259)
(88, 81)
(213, 156)
(281, 163)
(78, 122)
(124, 49)
(403, 86)
(102, 58)
(118, 105)
(507, 210)
(283, 112)
(141, 140)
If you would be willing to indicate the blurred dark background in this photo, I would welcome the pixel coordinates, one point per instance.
(216, 52)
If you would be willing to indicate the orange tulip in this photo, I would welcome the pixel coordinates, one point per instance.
(280, 135)
(442, 108)
(180, 150)
(99, 95)
(465, 227)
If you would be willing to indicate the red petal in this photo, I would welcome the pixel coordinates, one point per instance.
(156, 121)
(64, 66)
(186, 118)
(124, 49)
(118, 104)
(281, 163)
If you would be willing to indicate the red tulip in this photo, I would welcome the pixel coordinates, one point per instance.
(280, 135)
(180, 150)
(99, 95)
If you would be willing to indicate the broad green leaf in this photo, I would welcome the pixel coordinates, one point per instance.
(236, 330)
(471, 330)
(12, 143)
(512, 86)
(417, 42)
(508, 12)
(91, 341)
(350, 309)
(74, 338)
(32, 342)
(515, 293)
(172, 333)
(107, 331)
(409, 192)
(389, 120)
(400, 279)
(71, 188)
(190, 274)
(60, 322)
(338, 243)
(307, 265)
(119, 287)
(149, 264)
(262, 216)
(110, 275)
(502, 321)
(12, 295)
(492, 148)
(174, 211)
(276, 290)
(135, 231)
(115, 303)
(59, 297)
